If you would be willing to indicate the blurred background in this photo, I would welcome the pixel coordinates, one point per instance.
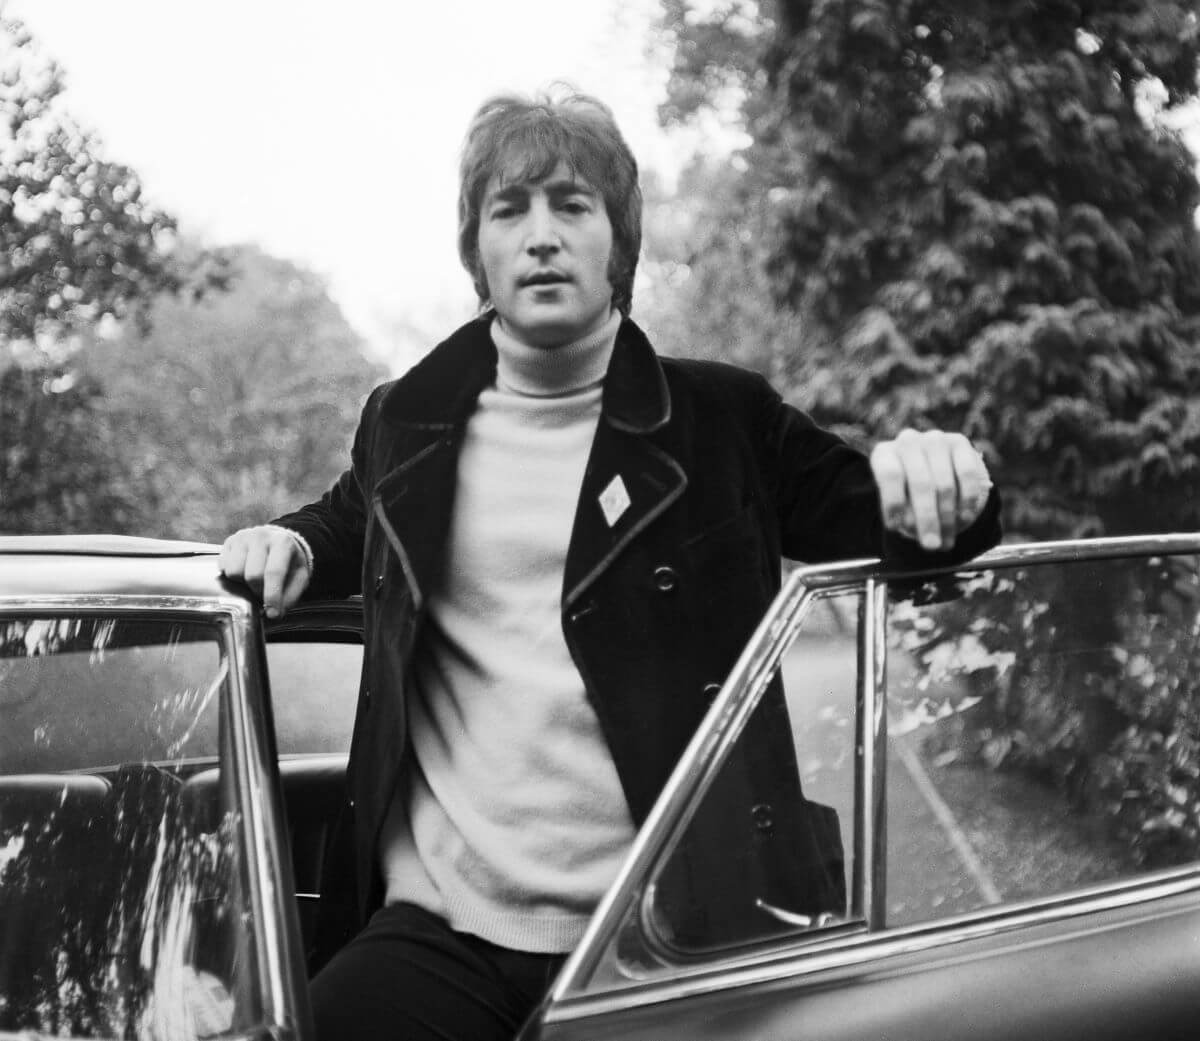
(223, 224)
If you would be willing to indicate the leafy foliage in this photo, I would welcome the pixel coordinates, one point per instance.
(1082, 676)
(980, 226)
(717, 58)
(234, 407)
(78, 245)
(973, 216)
(693, 301)
(1148, 778)
(61, 461)
(77, 238)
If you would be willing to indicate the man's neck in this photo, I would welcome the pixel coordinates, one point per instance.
(523, 368)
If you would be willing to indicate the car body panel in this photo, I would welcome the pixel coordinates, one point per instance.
(1124, 973)
(109, 565)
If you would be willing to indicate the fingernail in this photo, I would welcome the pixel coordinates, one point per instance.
(931, 542)
(272, 612)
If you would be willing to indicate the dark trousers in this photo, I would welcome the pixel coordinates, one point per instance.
(409, 977)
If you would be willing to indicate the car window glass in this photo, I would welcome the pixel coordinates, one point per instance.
(1043, 730)
(314, 691)
(78, 692)
(769, 850)
(124, 910)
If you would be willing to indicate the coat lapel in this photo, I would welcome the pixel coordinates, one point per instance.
(421, 428)
(412, 504)
(652, 480)
(629, 480)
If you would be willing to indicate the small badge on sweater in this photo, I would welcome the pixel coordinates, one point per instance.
(614, 500)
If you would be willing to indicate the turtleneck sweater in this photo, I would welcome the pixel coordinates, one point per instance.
(510, 822)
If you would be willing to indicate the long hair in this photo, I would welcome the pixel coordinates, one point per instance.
(523, 140)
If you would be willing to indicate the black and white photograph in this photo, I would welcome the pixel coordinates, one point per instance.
(617, 520)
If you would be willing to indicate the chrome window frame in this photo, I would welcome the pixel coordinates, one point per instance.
(838, 952)
(276, 933)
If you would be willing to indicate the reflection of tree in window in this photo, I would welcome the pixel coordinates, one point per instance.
(122, 900)
(1052, 720)
(119, 911)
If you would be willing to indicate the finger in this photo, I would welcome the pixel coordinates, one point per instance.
(974, 481)
(280, 558)
(937, 448)
(297, 582)
(889, 478)
(232, 561)
(922, 499)
(256, 562)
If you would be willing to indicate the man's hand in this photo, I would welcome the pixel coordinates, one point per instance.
(270, 561)
(932, 485)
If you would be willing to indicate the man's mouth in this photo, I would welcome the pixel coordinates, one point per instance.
(544, 278)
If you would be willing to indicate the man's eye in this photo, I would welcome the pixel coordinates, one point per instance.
(503, 212)
(574, 206)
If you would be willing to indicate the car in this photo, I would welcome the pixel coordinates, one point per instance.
(1005, 753)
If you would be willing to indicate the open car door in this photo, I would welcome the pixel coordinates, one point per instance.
(1005, 760)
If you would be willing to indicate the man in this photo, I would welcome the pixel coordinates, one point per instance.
(562, 542)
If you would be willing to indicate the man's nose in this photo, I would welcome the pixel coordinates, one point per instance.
(541, 236)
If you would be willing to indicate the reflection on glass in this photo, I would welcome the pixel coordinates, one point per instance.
(1044, 732)
(122, 908)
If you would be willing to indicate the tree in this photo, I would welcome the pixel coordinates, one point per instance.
(61, 461)
(982, 226)
(704, 289)
(77, 243)
(77, 238)
(236, 407)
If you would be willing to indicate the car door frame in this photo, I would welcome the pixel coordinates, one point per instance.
(251, 744)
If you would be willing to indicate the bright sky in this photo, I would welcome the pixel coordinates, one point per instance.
(329, 132)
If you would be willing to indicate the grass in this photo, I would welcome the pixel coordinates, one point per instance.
(1028, 837)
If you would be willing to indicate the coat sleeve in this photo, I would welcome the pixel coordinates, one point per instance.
(827, 502)
(335, 525)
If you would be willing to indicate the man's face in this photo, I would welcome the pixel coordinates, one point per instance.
(545, 247)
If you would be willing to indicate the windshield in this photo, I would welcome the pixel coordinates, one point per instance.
(123, 907)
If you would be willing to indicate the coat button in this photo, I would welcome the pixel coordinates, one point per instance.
(711, 690)
(378, 584)
(665, 579)
(366, 695)
(582, 611)
(763, 816)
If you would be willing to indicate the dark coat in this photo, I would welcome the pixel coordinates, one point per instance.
(724, 479)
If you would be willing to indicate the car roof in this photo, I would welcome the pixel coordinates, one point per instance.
(109, 565)
(104, 545)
